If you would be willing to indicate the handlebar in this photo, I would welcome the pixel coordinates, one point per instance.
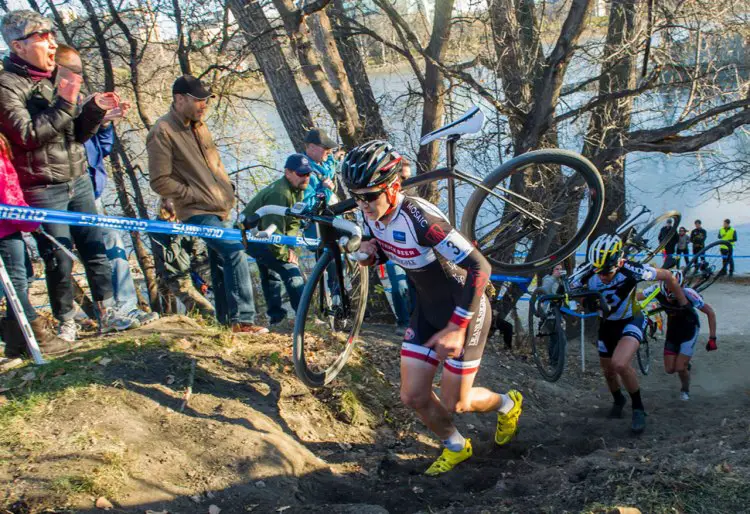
(350, 241)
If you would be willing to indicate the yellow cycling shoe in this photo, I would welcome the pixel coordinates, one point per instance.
(448, 460)
(507, 424)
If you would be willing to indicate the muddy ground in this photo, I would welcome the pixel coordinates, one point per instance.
(109, 423)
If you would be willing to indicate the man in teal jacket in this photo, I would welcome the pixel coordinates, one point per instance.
(278, 263)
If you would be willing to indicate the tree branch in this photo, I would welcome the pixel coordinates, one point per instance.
(667, 140)
(602, 99)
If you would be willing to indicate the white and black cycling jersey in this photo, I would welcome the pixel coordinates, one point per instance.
(619, 293)
(448, 273)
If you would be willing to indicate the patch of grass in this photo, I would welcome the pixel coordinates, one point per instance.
(106, 479)
(713, 493)
(351, 409)
(69, 485)
(61, 376)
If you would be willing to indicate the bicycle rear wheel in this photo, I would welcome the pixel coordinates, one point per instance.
(646, 243)
(706, 266)
(328, 318)
(535, 210)
(548, 341)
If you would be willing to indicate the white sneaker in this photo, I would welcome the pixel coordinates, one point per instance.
(68, 331)
(111, 322)
(684, 396)
(143, 317)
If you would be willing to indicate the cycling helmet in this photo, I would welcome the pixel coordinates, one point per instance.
(605, 253)
(663, 284)
(372, 164)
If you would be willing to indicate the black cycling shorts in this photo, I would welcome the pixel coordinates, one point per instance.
(611, 331)
(420, 330)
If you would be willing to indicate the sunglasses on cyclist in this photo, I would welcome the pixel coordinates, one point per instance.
(49, 35)
(367, 197)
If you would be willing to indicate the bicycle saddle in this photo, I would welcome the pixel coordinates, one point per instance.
(470, 123)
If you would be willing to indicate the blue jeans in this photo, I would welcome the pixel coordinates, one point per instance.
(126, 299)
(402, 293)
(74, 196)
(230, 274)
(13, 254)
(123, 285)
(273, 273)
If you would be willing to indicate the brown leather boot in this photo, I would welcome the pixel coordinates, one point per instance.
(15, 343)
(48, 341)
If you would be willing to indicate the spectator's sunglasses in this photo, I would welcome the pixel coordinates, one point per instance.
(48, 35)
(367, 197)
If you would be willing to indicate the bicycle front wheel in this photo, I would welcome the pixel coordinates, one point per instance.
(644, 355)
(329, 317)
(548, 340)
(707, 265)
(646, 243)
(535, 210)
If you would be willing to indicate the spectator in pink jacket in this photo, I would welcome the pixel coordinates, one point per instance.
(12, 252)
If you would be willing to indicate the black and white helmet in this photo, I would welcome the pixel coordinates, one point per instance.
(663, 284)
(369, 165)
(605, 252)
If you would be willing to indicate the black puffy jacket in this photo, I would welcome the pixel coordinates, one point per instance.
(46, 132)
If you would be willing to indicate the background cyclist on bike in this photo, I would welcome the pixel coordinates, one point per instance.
(621, 331)
(683, 326)
(452, 315)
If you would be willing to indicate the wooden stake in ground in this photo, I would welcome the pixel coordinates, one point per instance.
(189, 390)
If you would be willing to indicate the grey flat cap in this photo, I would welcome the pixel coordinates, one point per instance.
(19, 24)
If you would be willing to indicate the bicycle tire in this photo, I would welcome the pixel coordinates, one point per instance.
(644, 355)
(317, 300)
(589, 177)
(698, 273)
(541, 341)
(651, 253)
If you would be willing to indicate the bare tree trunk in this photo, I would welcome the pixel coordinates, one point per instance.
(145, 259)
(134, 62)
(610, 122)
(183, 52)
(326, 44)
(338, 104)
(367, 107)
(433, 91)
(101, 43)
(276, 71)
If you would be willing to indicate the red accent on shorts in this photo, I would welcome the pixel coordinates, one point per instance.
(669, 352)
(459, 371)
(419, 357)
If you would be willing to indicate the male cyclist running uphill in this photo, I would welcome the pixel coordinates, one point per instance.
(452, 315)
(621, 332)
(683, 327)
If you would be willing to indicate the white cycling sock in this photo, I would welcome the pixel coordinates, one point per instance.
(455, 442)
(507, 404)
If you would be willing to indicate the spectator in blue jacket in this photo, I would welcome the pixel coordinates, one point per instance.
(319, 149)
(97, 149)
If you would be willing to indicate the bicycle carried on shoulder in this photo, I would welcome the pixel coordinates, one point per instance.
(640, 233)
(520, 217)
(528, 214)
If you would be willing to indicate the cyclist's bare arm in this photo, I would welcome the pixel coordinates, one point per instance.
(711, 314)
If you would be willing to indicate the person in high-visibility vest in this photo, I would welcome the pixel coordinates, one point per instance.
(727, 233)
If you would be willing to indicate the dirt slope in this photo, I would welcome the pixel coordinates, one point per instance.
(107, 422)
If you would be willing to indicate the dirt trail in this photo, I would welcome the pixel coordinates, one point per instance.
(107, 422)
